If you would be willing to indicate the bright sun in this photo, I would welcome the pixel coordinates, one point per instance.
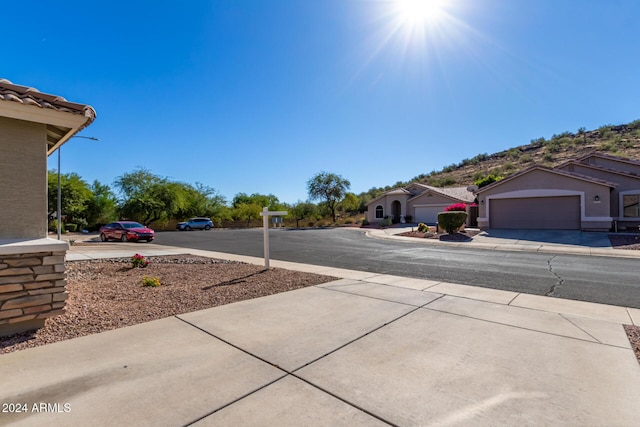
(418, 12)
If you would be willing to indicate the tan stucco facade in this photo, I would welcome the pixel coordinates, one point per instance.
(23, 174)
(545, 185)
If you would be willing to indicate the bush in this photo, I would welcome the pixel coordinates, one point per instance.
(71, 227)
(365, 222)
(138, 261)
(386, 222)
(451, 221)
(456, 207)
(490, 179)
(150, 281)
(423, 228)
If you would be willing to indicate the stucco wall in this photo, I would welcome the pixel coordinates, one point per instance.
(23, 178)
(540, 183)
(614, 164)
(386, 202)
(625, 183)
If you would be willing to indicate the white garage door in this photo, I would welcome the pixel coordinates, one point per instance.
(551, 213)
(428, 214)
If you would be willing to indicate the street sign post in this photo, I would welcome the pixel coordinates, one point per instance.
(265, 214)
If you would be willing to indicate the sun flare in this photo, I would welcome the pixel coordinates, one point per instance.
(419, 12)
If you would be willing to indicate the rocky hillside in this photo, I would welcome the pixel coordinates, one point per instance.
(618, 140)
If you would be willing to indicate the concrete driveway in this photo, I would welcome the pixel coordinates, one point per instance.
(559, 237)
(369, 349)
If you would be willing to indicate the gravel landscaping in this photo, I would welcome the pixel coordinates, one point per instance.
(108, 294)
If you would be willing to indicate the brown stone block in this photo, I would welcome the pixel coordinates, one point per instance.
(51, 260)
(11, 295)
(16, 279)
(37, 285)
(38, 309)
(13, 287)
(33, 255)
(21, 318)
(10, 313)
(62, 296)
(60, 283)
(51, 313)
(43, 269)
(27, 301)
(51, 276)
(23, 262)
(58, 304)
(59, 268)
(3, 266)
(49, 290)
(15, 271)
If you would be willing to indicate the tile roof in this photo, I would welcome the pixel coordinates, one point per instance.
(28, 96)
(31, 96)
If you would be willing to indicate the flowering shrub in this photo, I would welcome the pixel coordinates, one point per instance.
(138, 261)
(456, 207)
(150, 281)
(423, 228)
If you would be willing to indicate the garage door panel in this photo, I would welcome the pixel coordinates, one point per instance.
(428, 214)
(555, 213)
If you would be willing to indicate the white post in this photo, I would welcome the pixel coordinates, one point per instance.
(265, 226)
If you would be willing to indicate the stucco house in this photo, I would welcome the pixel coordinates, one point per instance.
(420, 202)
(32, 272)
(594, 192)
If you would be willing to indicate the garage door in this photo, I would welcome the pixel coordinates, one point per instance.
(428, 214)
(553, 213)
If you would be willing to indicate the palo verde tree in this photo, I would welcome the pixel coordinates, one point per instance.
(328, 187)
(302, 210)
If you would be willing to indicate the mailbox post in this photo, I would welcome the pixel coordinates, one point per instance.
(265, 214)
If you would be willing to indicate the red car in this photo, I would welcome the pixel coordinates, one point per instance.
(126, 231)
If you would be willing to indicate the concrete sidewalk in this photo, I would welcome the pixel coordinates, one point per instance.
(369, 349)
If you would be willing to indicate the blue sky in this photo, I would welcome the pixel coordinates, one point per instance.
(259, 95)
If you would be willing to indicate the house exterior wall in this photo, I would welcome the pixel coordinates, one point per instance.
(613, 164)
(625, 184)
(386, 202)
(544, 184)
(23, 174)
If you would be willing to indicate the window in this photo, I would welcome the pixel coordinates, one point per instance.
(379, 212)
(630, 205)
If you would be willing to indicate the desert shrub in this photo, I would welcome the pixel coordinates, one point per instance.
(71, 227)
(526, 158)
(138, 261)
(548, 157)
(489, 179)
(150, 281)
(508, 166)
(634, 124)
(423, 228)
(451, 221)
(387, 221)
(365, 222)
(349, 221)
(460, 207)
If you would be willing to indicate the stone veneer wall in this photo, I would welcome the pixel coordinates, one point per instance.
(32, 288)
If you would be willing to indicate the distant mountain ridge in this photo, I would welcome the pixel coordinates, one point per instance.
(619, 140)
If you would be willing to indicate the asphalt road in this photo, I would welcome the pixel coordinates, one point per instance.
(585, 278)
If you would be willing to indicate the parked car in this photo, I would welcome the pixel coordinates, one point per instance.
(125, 231)
(195, 223)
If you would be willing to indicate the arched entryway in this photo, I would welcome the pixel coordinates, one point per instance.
(396, 211)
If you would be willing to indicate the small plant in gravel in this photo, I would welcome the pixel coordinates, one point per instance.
(138, 261)
(423, 228)
(150, 281)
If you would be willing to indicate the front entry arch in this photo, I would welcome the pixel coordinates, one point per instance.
(396, 211)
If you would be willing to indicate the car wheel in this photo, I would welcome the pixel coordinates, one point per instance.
(187, 228)
(103, 237)
(123, 238)
(206, 227)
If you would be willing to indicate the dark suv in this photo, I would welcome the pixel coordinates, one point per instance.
(195, 223)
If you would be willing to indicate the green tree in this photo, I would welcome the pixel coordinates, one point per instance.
(75, 193)
(328, 187)
(102, 208)
(247, 211)
(350, 204)
(268, 200)
(302, 210)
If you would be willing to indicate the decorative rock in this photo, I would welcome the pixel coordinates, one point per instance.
(52, 260)
(21, 318)
(37, 285)
(15, 271)
(62, 296)
(43, 269)
(10, 313)
(14, 279)
(51, 313)
(51, 276)
(14, 287)
(23, 262)
(44, 291)
(28, 301)
(38, 309)
(11, 295)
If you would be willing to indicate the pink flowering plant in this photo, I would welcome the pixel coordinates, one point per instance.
(456, 207)
(138, 261)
